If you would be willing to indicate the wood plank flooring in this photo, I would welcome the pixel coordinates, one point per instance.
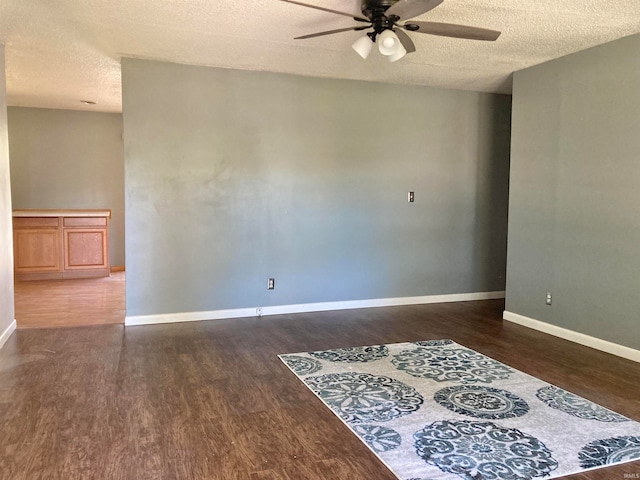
(210, 400)
(70, 303)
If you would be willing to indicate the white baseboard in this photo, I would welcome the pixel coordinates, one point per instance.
(581, 338)
(7, 333)
(307, 307)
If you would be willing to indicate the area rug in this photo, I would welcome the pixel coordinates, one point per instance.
(436, 410)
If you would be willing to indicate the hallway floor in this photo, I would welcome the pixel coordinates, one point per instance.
(70, 303)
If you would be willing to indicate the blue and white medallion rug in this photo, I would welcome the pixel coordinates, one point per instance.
(436, 410)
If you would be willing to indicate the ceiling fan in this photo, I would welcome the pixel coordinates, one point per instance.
(384, 17)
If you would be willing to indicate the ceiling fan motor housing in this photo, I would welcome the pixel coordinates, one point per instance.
(375, 10)
(372, 7)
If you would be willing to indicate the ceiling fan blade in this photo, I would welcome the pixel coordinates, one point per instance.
(455, 31)
(406, 9)
(357, 17)
(406, 41)
(330, 32)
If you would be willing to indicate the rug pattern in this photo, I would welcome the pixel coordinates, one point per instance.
(436, 410)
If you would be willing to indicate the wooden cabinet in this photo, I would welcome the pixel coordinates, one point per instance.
(50, 244)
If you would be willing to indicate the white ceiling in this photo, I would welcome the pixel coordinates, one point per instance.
(59, 52)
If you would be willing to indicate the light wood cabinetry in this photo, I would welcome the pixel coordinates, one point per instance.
(51, 244)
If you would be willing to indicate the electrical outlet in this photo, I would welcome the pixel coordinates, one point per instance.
(548, 298)
(271, 284)
(411, 197)
(259, 311)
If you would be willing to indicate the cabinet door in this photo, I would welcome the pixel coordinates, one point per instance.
(36, 250)
(85, 248)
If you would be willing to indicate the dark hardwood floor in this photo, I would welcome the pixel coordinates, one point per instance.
(211, 400)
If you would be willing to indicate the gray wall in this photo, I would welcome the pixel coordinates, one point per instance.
(575, 193)
(7, 314)
(234, 176)
(69, 159)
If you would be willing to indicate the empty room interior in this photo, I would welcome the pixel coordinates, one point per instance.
(341, 239)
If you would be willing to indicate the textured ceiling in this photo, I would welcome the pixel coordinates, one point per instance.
(59, 52)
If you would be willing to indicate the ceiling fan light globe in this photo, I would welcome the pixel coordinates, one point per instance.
(388, 43)
(394, 57)
(363, 46)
